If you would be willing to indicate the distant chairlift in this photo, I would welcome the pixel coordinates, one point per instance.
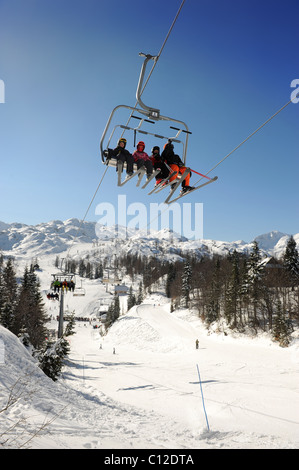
(64, 281)
(79, 291)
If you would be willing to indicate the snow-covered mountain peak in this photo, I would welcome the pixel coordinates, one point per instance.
(267, 241)
(58, 236)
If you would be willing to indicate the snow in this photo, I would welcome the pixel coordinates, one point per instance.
(138, 386)
(58, 236)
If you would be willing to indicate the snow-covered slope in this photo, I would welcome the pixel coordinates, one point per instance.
(138, 386)
(59, 236)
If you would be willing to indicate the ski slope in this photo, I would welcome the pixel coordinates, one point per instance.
(250, 387)
(138, 387)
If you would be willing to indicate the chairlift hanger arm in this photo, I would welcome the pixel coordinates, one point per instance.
(153, 113)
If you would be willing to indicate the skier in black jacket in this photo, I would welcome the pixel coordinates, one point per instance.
(159, 164)
(123, 155)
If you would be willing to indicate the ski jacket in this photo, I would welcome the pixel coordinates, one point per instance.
(119, 152)
(170, 157)
(158, 163)
(140, 156)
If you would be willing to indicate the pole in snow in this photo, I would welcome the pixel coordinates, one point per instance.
(60, 322)
(203, 402)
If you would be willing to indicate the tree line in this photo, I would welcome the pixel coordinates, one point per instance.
(83, 267)
(238, 289)
(243, 291)
(22, 312)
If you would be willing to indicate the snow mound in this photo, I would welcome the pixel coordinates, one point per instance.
(133, 331)
(151, 327)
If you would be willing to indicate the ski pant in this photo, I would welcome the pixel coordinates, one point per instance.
(129, 160)
(148, 165)
(180, 169)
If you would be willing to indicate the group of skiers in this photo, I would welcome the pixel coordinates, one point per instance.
(167, 162)
(51, 296)
(65, 285)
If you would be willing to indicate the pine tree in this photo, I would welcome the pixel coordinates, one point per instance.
(255, 274)
(82, 268)
(131, 299)
(8, 294)
(281, 330)
(291, 261)
(244, 288)
(89, 270)
(233, 292)
(70, 327)
(147, 276)
(186, 284)
(140, 294)
(116, 309)
(113, 311)
(51, 359)
(30, 318)
(99, 271)
(214, 296)
(109, 316)
(171, 275)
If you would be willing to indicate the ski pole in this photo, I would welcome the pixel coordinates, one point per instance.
(200, 174)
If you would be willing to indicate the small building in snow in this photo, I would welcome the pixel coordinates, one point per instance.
(121, 289)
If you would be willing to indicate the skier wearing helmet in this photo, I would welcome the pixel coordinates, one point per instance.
(123, 155)
(141, 158)
(176, 164)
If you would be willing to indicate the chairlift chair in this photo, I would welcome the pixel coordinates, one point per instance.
(79, 291)
(61, 277)
(146, 114)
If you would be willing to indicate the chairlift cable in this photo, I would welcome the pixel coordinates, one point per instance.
(156, 59)
(162, 47)
(247, 138)
(87, 210)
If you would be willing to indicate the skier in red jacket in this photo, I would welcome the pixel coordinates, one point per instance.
(141, 158)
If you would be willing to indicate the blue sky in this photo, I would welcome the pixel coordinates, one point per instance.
(226, 68)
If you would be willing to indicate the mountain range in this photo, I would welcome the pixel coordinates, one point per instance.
(58, 236)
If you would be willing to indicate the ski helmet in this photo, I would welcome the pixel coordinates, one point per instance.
(155, 148)
(141, 144)
(122, 140)
(169, 145)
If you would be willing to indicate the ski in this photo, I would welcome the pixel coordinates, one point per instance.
(170, 201)
(128, 178)
(152, 176)
(176, 185)
(163, 184)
